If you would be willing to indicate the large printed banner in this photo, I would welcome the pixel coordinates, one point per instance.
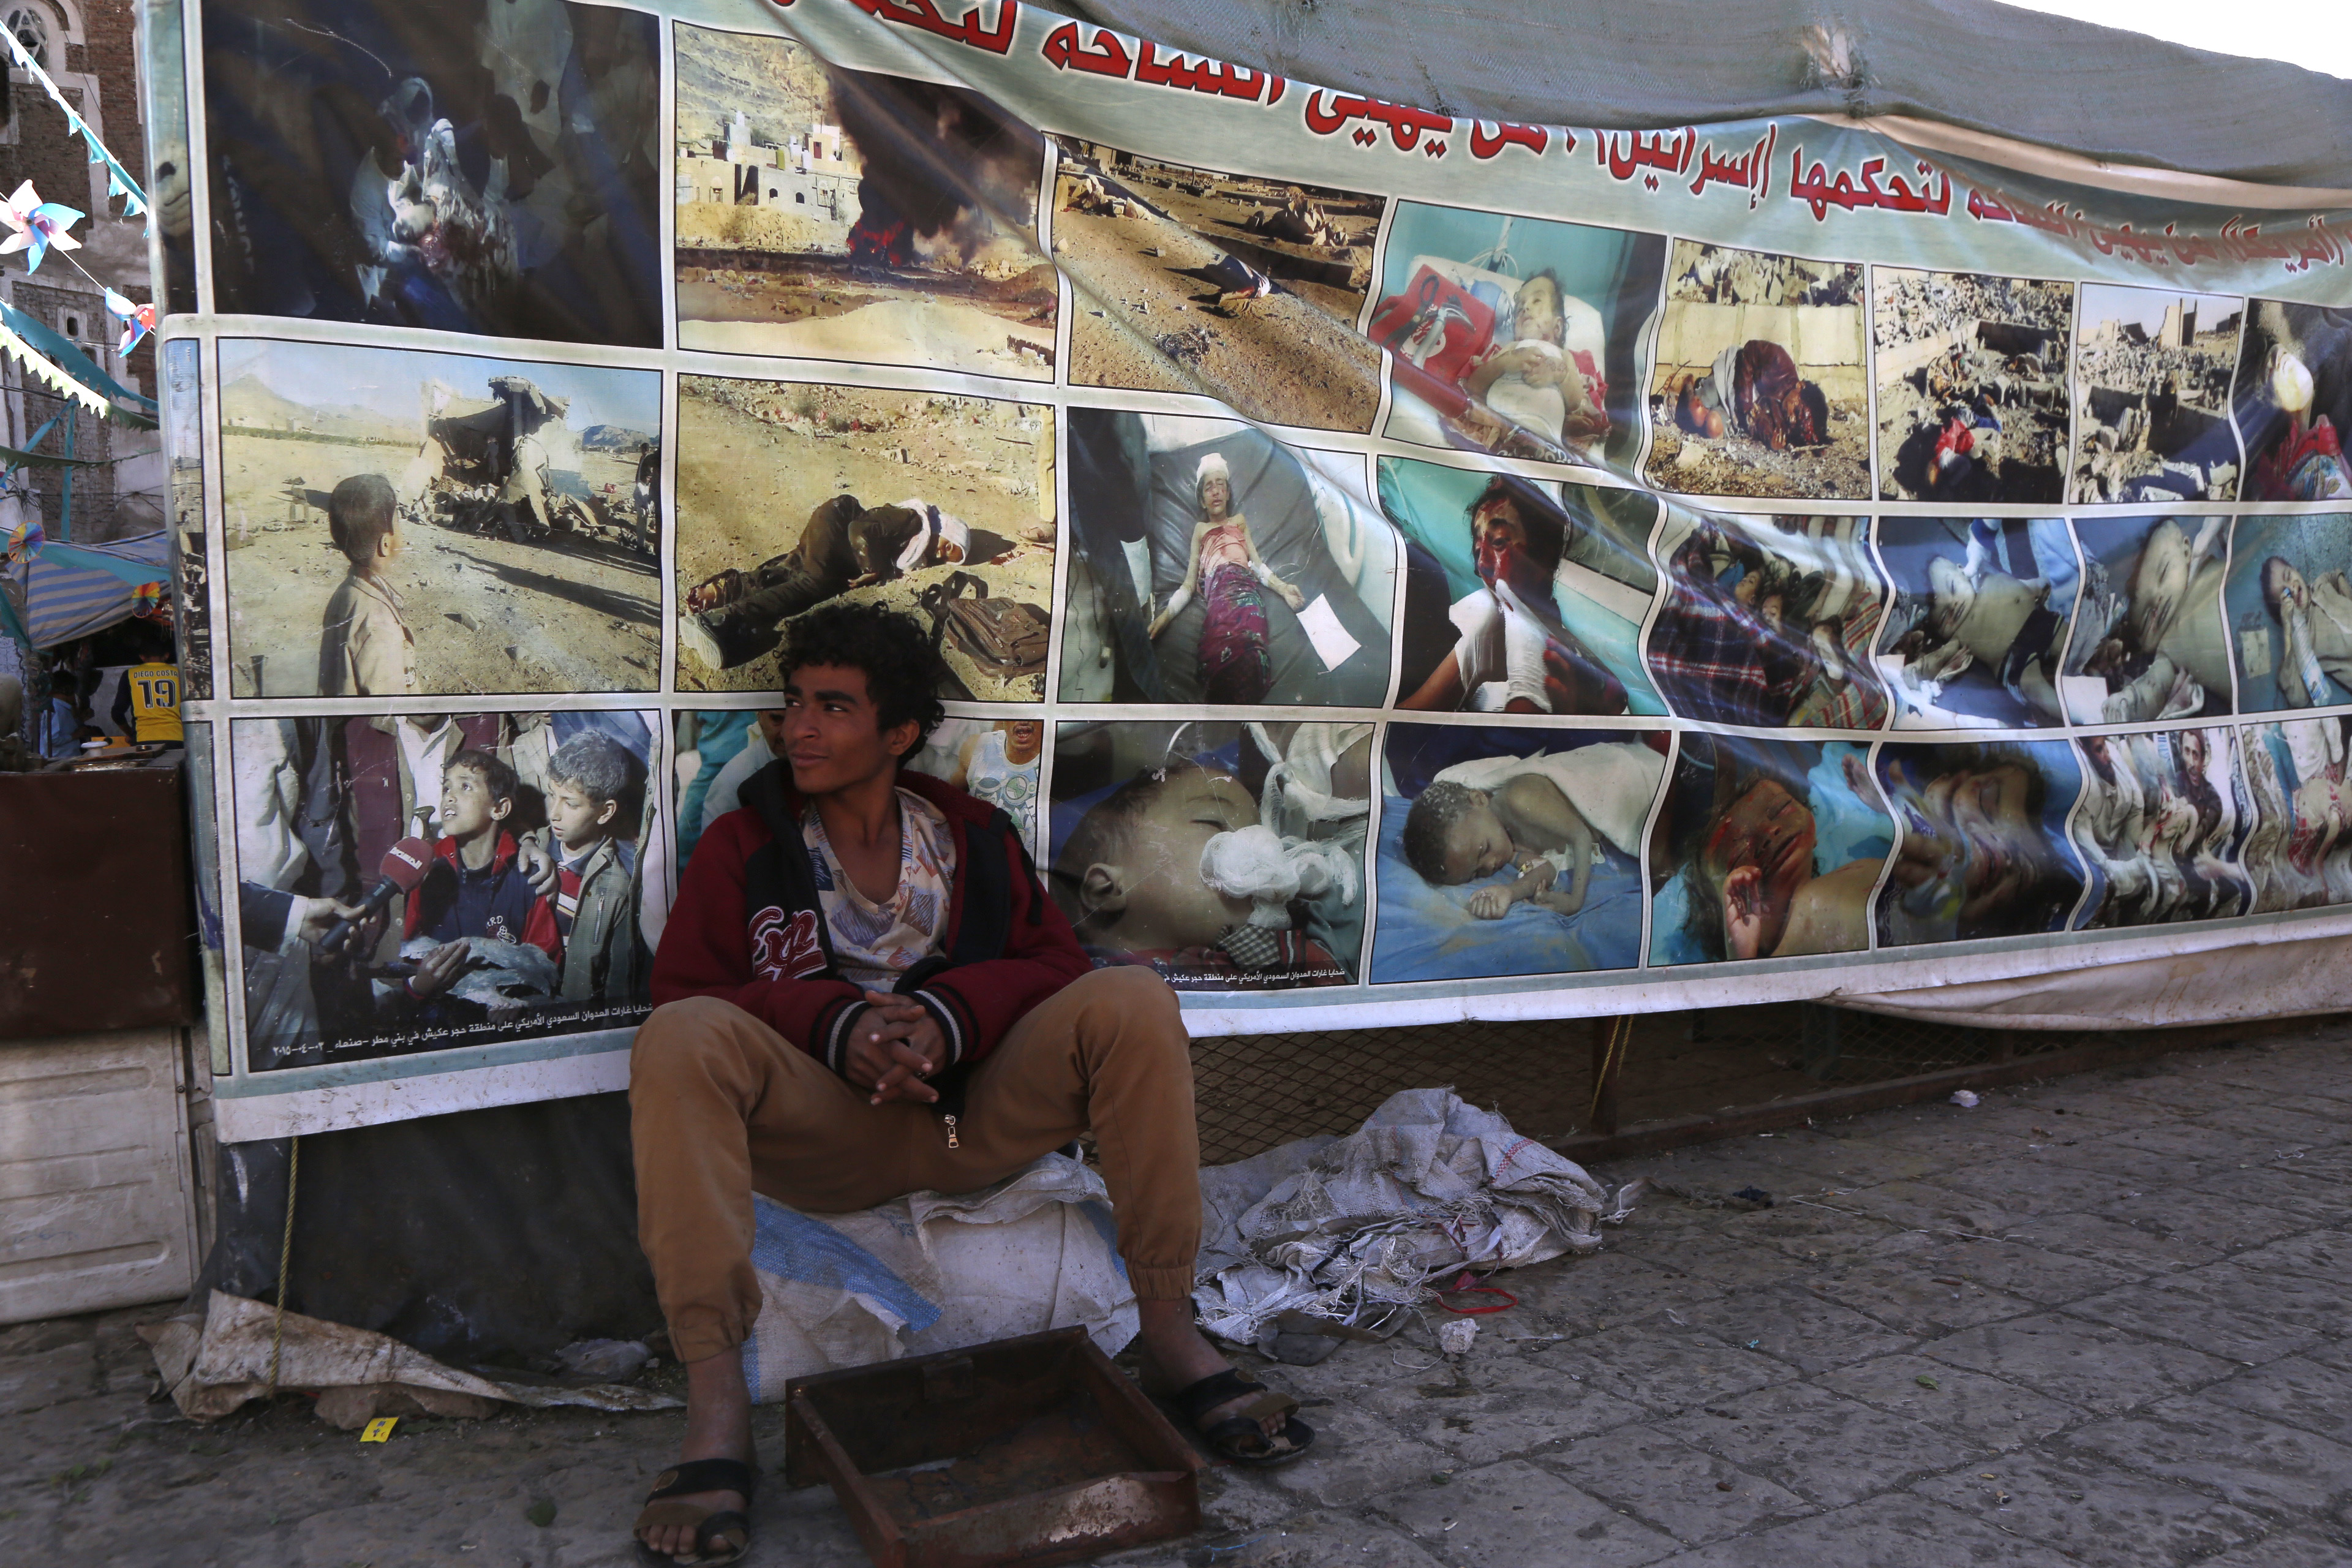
(1396, 568)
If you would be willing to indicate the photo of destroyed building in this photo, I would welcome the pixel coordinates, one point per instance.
(1760, 387)
(2293, 401)
(1971, 376)
(520, 552)
(2152, 396)
(1190, 280)
(831, 213)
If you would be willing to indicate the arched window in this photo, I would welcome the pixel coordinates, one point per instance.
(31, 28)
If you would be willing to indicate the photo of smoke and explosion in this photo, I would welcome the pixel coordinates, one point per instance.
(485, 166)
(835, 214)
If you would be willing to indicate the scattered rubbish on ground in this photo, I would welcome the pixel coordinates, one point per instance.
(1752, 1197)
(1966, 1098)
(1454, 1338)
(1923, 1381)
(603, 1361)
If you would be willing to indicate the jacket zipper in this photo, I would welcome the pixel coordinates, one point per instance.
(952, 1142)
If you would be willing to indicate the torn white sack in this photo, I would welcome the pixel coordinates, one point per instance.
(932, 1272)
(1348, 1227)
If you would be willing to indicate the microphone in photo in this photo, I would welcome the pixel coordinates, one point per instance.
(405, 865)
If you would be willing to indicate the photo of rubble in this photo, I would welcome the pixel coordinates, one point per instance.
(1515, 336)
(1245, 290)
(486, 166)
(405, 524)
(1971, 375)
(1760, 387)
(832, 213)
(2293, 401)
(2152, 396)
(792, 493)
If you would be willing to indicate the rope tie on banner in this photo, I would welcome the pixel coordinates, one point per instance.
(285, 1260)
(1620, 1034)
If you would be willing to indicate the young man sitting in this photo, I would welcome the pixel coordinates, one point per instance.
(865, 993)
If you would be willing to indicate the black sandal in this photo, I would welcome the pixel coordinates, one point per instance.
(720, 1535)
(1238, 1437)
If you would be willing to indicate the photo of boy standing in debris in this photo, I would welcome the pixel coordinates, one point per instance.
(1192, 281)
(1971, 375)
(402, 523)
(2152, 396)
(1760, 389)
(790, 495)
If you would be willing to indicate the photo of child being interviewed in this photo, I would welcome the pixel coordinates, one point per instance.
(1225, 856)
(1512, 851)
(1769, 850)
(427, 881)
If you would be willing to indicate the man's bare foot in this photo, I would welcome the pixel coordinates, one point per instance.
(1184, 1355)
(717, 1426)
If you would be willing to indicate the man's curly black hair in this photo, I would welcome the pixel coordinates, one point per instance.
(903, 670)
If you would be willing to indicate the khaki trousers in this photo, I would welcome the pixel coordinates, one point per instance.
(722, 1105)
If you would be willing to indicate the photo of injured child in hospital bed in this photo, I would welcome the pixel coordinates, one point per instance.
(1514, 335)
(1766, 849)
(1512, 851)
(2290, 608)
(1982, 851)
(1223, 856)
(2149, 642)
(2162, 819)
(1981, 608)
(1217, 566)
(1521, 596)
(1769, 621)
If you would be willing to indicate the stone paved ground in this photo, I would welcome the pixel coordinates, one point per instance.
(2096, 1321)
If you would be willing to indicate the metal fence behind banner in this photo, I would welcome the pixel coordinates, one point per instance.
(1256, 1091)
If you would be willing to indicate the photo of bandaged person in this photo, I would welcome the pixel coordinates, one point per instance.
(1514, 335)
(1216, 565)
(2162, 818)
(2298, 852)
(1766, 849)
(1981, 608)
(1512, 851)
(1769, 621)
(2293, 402)
(1760, 387)
(719, 751)
(1981, 851)
(1226, 856)
(1971, 375)
(1521, 596)
(2290, 608)
(428, 882)
(792, 494)
(2148, 641)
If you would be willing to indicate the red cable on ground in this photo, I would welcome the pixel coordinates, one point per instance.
(1467, 1285)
